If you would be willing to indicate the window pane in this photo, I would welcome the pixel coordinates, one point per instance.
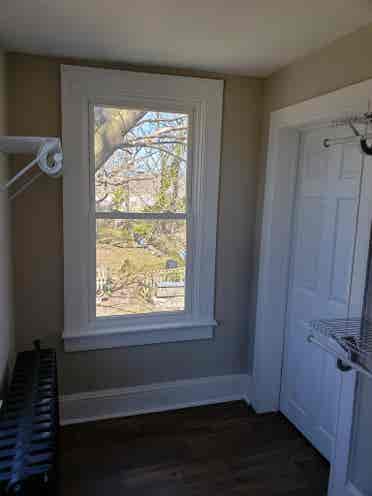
(140, 160)
(140, 266)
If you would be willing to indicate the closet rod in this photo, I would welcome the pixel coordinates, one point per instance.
(328, 142)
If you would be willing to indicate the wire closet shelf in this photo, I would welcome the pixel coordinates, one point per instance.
(349, 340)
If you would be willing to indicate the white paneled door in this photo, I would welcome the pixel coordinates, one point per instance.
(322, 281)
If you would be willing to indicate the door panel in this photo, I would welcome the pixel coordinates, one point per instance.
(351, 473)
(323, 246)
(343, 249)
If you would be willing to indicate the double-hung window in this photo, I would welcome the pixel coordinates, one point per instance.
(141, 211)
(141, 168)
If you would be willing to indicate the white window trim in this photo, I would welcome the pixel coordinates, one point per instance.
(202, 100)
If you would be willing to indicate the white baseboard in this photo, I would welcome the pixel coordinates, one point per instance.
(159, 397)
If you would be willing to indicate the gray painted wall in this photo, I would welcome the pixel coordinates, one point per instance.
(6, 317)
(344, 62)
(39, 248)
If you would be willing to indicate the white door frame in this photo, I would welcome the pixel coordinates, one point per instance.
(282, 162)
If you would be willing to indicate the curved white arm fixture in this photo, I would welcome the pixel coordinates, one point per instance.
(49, 157)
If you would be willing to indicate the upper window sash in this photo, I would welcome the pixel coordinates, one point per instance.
(186, 112)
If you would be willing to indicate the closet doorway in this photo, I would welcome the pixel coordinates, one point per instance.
(327, 221)
(314, 250)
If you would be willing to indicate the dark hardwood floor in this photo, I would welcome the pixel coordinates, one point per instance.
(215, 450)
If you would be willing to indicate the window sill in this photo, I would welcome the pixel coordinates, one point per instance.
(138, 335)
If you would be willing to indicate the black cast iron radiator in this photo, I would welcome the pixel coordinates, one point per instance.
(29, 426)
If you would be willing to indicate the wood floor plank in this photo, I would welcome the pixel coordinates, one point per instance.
(222, 449)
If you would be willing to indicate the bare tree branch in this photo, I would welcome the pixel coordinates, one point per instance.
(156, 147)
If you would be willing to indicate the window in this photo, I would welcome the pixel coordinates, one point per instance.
(141, 211)
(140, 188)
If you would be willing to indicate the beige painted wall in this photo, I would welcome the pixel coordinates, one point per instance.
(6, 304)
(344, 62)
(35, 102)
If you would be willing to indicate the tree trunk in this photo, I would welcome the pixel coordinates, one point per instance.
(112, 133)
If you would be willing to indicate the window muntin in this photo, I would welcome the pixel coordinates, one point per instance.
(141, 211)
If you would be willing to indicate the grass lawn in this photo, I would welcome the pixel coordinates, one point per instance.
(141, 259)
(122, 262)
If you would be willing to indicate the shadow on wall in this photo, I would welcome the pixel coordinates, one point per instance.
(6, 304)
(6, 268)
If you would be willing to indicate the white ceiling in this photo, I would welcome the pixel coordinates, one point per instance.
(248, 37)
